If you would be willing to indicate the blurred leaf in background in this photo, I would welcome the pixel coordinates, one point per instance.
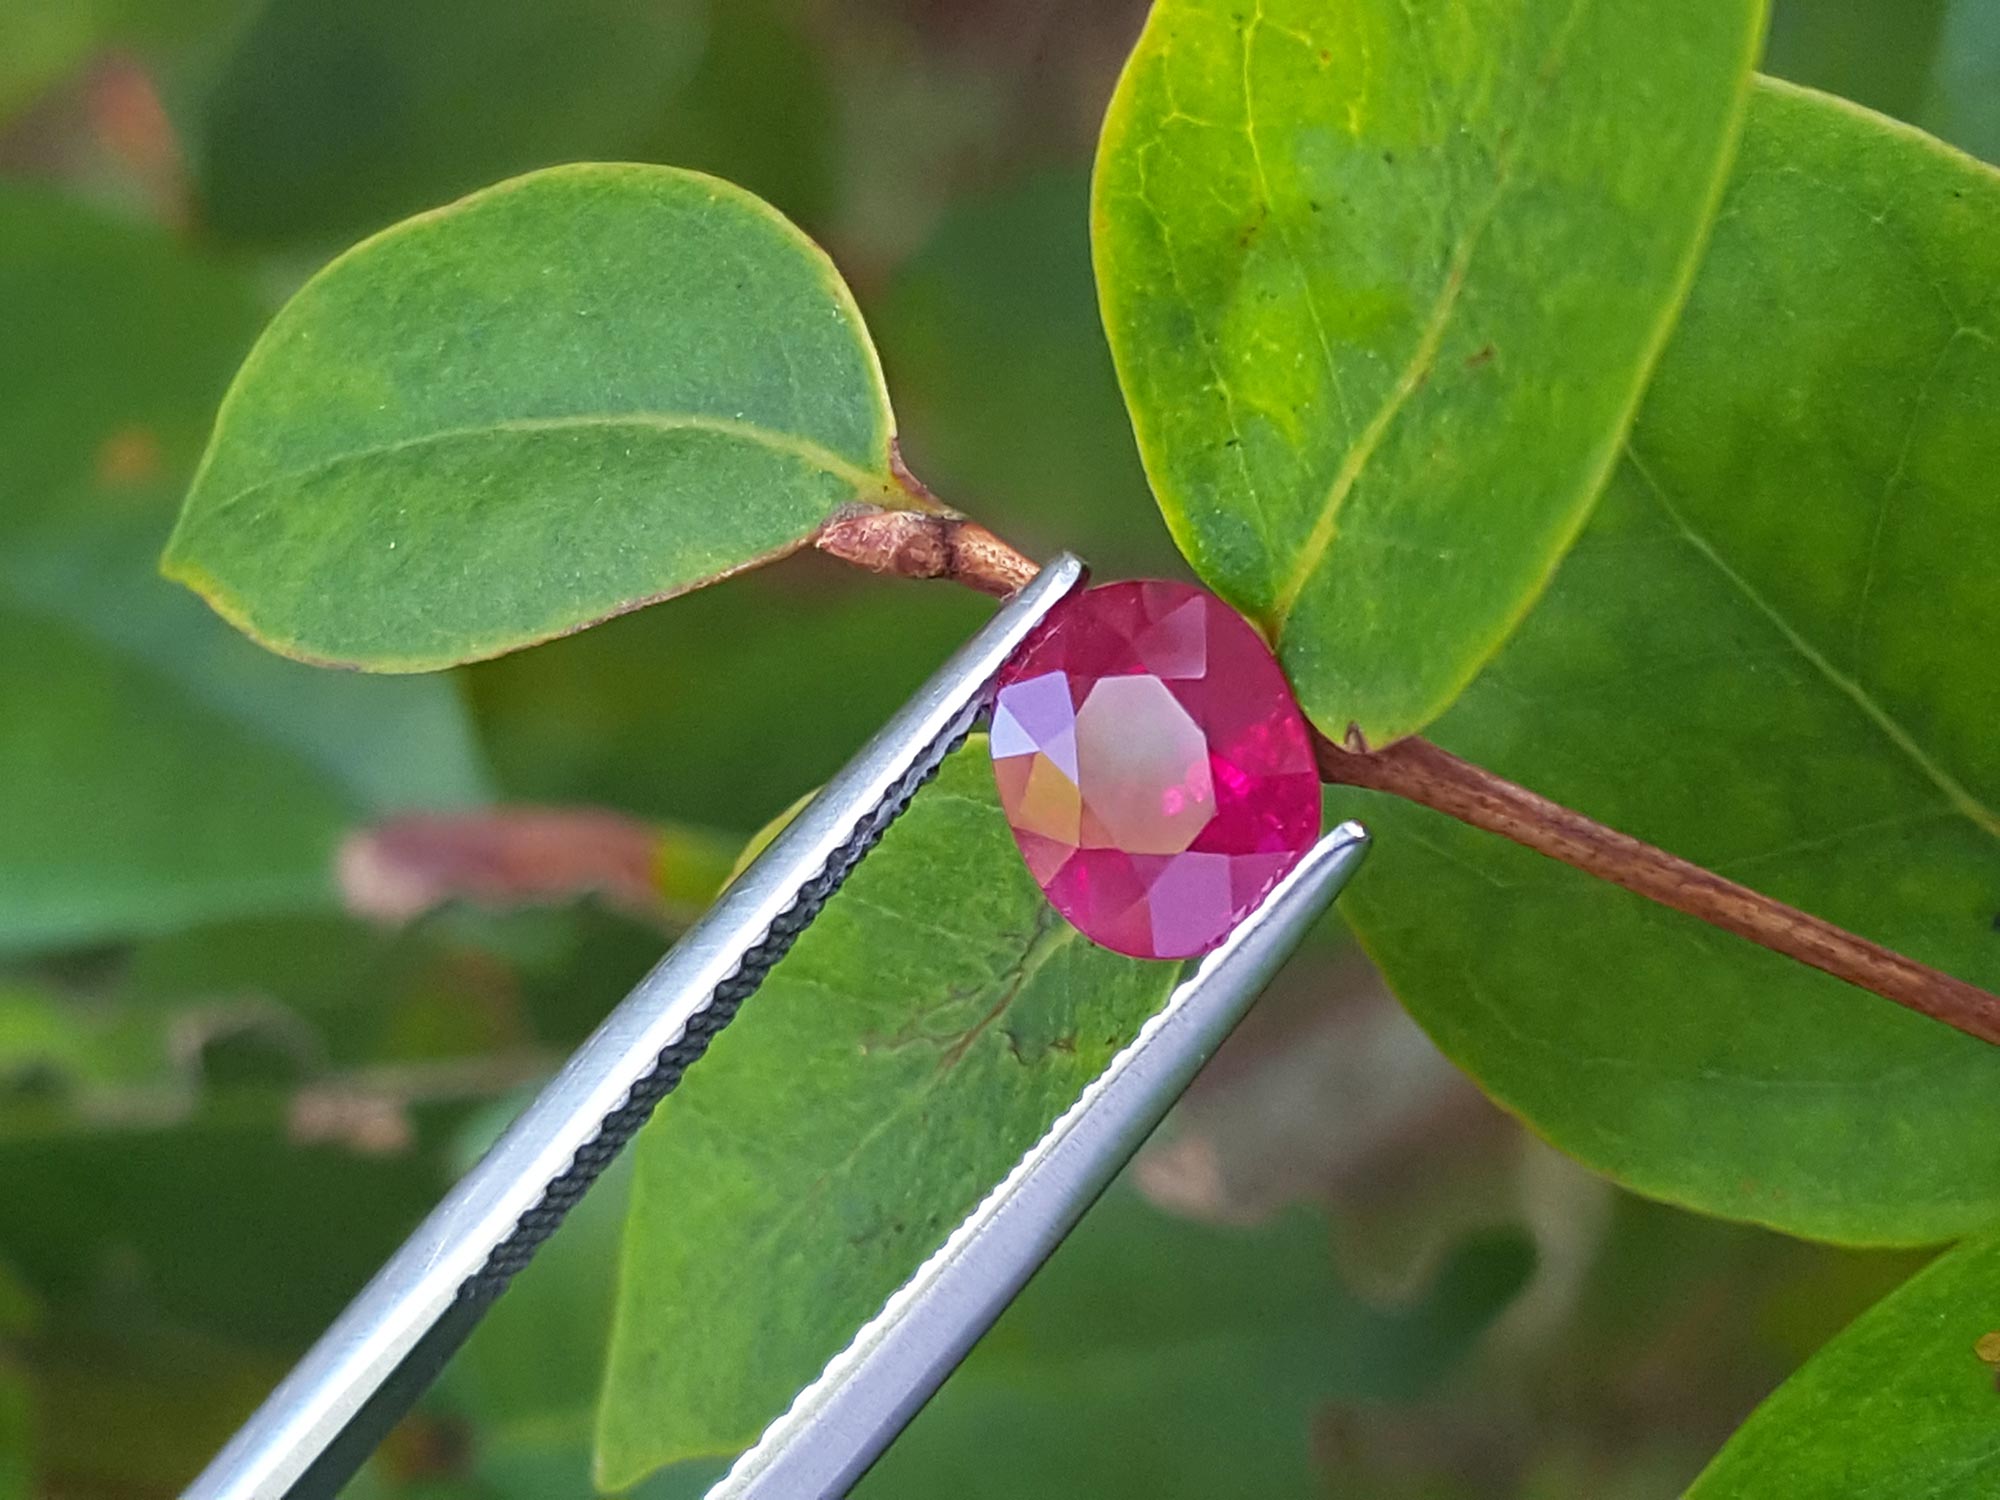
(41, 45)
(323, 122)
(223, 1097)
(155, 769)
(1158, 1358)
(1935, 63)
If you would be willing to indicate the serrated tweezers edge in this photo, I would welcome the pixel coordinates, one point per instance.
(837, 1426)
(324, 1418)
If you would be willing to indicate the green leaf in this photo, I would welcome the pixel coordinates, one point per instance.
(1771, 653)
(326, 121)
(570, 395)
(1899, 1407)
(155, 770)
(919, 1038)
(1164, 1360)
(1384, 283)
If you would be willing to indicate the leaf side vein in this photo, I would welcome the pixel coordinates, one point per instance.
(1955, 791)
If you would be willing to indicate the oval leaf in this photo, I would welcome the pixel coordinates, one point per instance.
(570, 395)
(923, 1033)
(1384, 282)
(1772, 653)
(1899, 1407)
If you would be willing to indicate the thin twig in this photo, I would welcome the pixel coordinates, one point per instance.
(928, 545)
(925, 544)
(1419, 771)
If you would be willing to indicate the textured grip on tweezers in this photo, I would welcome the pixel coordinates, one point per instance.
(621, 1124)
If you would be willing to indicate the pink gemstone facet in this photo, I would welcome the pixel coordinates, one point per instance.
(1154, 766)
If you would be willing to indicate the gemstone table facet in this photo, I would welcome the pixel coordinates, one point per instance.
(1154, 766)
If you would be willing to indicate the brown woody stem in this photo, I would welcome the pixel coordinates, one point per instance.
(1418, 771)
(924, 544)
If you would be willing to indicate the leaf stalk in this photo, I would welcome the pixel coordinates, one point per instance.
(928, 545)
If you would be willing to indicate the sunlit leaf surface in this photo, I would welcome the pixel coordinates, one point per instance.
(1772, 653)
(1384, 282)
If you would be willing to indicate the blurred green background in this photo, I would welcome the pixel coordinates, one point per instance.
(253, 1018)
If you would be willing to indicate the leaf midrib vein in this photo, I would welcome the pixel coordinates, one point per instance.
(1417, 369)
(804, 449)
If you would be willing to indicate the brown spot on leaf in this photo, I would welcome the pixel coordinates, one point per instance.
(1988, 1347)
(1483, 357)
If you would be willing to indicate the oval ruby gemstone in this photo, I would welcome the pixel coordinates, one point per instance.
(1154, 766)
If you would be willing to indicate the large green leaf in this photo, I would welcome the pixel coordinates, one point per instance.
(155, 769)
(326, 121)
(556, 400)
(919, 1038)
(1384, 283)
(1899, 1407)
(1772, 652)
(1163, 1360)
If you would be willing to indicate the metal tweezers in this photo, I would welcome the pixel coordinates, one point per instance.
(321, 1423)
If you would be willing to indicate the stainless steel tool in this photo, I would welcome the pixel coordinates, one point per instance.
(324, 1419)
